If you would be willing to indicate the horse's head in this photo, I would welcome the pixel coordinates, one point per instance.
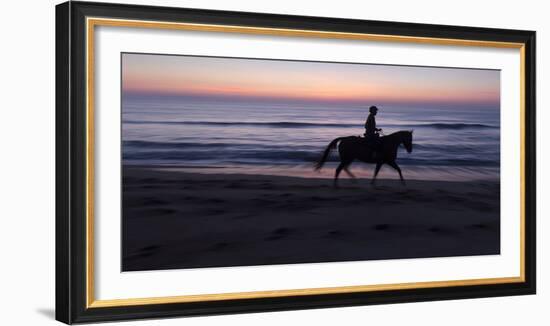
(407, 139)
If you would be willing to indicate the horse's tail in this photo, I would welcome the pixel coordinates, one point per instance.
(319, 164)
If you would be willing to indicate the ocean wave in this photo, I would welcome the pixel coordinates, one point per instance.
(244, 157)
(290, 124)
(143, 145)
(456, 126)
(133, 145)
(280, 124)
(215, 153)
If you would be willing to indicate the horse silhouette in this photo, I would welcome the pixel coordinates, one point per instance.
(355, 148)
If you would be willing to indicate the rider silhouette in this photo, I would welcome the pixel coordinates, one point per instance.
(371, 132)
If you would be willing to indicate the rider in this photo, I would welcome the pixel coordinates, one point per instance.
(371, 132)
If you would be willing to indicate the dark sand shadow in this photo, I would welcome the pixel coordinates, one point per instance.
(267, 220)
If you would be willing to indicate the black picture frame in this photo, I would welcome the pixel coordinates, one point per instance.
(71, 156)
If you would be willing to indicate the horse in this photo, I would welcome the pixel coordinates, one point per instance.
(354, 148)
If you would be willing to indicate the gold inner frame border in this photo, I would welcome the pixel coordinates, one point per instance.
(92, 22)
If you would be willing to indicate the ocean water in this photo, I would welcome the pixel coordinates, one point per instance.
(287, 138)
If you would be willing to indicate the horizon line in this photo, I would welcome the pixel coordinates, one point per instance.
(298, 99)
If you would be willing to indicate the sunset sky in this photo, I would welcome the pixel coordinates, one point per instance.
(307, 81)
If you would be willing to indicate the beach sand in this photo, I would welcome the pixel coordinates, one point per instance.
(174, 219)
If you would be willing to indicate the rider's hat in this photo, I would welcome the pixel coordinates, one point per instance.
(373, 109)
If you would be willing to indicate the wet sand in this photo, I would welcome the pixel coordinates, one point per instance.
(174, 219)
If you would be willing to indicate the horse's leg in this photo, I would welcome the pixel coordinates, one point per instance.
(395, 166)
(376, 170)
(338, 170)
(346, 168)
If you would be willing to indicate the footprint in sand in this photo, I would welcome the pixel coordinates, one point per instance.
(279, 233)
(147, 251)
(381, 227)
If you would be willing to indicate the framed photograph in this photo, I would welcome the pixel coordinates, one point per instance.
(215, 162)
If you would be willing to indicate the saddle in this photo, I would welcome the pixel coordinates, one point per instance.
(372, 145)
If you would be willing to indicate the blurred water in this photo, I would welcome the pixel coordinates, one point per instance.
(271, 138)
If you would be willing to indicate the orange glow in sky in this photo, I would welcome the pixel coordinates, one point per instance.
(310, 81)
